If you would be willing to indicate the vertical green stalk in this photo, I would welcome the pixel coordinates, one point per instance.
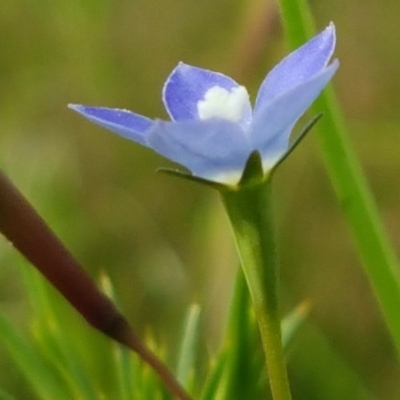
(250, 212)
(379, 259)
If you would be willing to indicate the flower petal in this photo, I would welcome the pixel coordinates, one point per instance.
(214, 149)
(272, 124)
(126, 123)
(298, 66)
(187, 85)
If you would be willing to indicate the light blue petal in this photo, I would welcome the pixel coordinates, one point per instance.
(215, 149)
(298, 66)
(126, 123)
(187, 85)
(272, 125)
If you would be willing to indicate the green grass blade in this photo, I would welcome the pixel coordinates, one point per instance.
(189, 348)
(293, 322)
(239, 371)
(127, 378)
(43, 379)
(379, 259)
(127, 370)
(53, 339)
(215, 377)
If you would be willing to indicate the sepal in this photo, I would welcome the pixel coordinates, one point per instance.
(253, 170)
(188, 176)
(296, 142)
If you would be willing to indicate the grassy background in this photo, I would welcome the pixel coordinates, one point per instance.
(166, 243)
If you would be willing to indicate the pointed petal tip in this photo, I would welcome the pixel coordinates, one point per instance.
(331, 26)
(182, 64)
(328, 40)
(75, 107)
(125, 123)
(81, 109)
(331, 29)
(86, 111)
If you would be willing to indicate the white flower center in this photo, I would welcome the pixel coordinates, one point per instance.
(222, 103)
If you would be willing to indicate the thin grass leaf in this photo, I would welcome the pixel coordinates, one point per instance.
(128, 380)
(240, 366)
(151, 387)
(293, 322)
(379, 259)
(240, 369)
(189, 348)
(214, 378)
(52, 337)
(126, 366)
(39, 374)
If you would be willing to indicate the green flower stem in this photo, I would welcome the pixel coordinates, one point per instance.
(379, 259)
(250, 213)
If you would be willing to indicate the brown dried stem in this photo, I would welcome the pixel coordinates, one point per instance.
(27, 231)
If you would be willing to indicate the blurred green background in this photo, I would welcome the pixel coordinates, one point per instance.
(165, 243)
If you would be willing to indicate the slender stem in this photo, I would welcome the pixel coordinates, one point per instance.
(250, 213)
(27, 231)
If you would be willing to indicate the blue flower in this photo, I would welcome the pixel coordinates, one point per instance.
(213, 128)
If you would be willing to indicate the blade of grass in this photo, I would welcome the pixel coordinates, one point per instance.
(215, 377)
(379, 259)
(292, 323)
(189, 349)
(151, 388)
(126, 368)
(42, 378)
(50, 334)
(128, 381)
(240, 368)
(240, 365)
